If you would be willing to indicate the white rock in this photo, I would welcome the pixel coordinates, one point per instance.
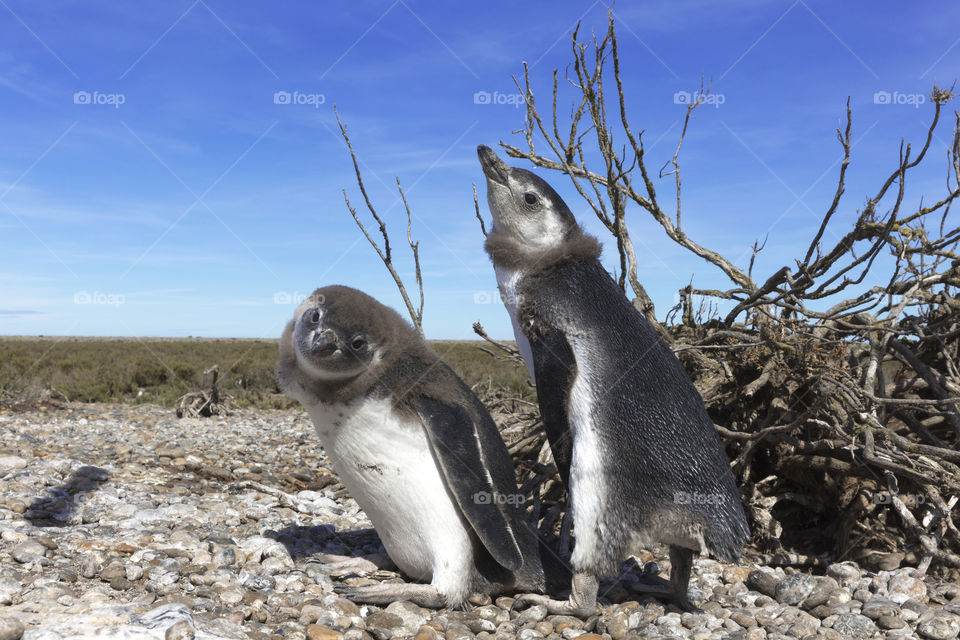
(11, 463)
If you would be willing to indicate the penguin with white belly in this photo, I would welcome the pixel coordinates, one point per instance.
(635, 447)
(414, 447)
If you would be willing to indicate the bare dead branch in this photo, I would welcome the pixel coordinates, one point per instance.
(415, 312)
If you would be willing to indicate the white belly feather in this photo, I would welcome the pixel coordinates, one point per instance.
(384, 461)
(588, 489)
(507, 281)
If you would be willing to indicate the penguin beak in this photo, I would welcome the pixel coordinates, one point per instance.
(493, 167)
(324, 342)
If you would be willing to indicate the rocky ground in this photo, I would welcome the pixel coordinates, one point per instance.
(120, 521)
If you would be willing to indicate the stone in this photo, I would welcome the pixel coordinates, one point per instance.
(10, 629)
(91, 564)
(794, 589)
(763, 581)
(803, 625)
(426, 632)
(732, 575)
(693, 620)
(231, 595)
(562, 623)
(320, 632)
(938, 625)
(544, 628)
(30, 552)
(11, 463)
(412, 616)
(877, 607)
(844, 573)
(113, 570)
(536, 613)
(182, 630)
(458, 631)
(890, 622)
(823, 588)
(743, 619)
(854, 625)
(913, 587)
(384, 620)
(226, 557)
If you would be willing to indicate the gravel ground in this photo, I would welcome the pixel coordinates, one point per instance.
(124, 522)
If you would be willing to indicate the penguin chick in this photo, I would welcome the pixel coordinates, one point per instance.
(635, 447)
(414, 447)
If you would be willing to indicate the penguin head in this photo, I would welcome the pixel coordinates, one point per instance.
(338, 333)
(523, 205)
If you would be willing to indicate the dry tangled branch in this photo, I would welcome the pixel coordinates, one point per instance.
(837, 376)
(208, 401)
(385, 252)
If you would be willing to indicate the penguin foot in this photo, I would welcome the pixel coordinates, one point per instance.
(582, 602)
(424, 595)
(352, 563)
(666, 592)
(673, 590)
(560, 607)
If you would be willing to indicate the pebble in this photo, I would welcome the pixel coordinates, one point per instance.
(763, 580)
(909, 586)
(536, 613)
(10, 629)
(890, 622)
(412, 617)
(320, 632)
(877, 607)
(182, 630)
(844, 573)
(11, 463)
(938, 625)
(854, 625)
(824, 588)
(794, 589)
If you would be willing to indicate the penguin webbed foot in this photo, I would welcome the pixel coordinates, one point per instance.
(356, 564)
(673, 590)
(424, 595)
(581, 604)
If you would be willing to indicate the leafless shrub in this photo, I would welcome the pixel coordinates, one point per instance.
(207, 402)
(385, 252)
(839, 399)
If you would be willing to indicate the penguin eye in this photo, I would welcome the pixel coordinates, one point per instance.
(358, 343)
(315, 317)
(530, 198)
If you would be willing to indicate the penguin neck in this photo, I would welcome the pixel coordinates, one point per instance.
(508, 253)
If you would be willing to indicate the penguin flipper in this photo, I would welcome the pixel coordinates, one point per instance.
(555, 369)
(481, 481)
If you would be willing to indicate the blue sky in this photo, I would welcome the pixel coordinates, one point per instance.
(175, 197)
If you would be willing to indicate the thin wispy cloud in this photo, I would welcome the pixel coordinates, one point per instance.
(186, 155)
